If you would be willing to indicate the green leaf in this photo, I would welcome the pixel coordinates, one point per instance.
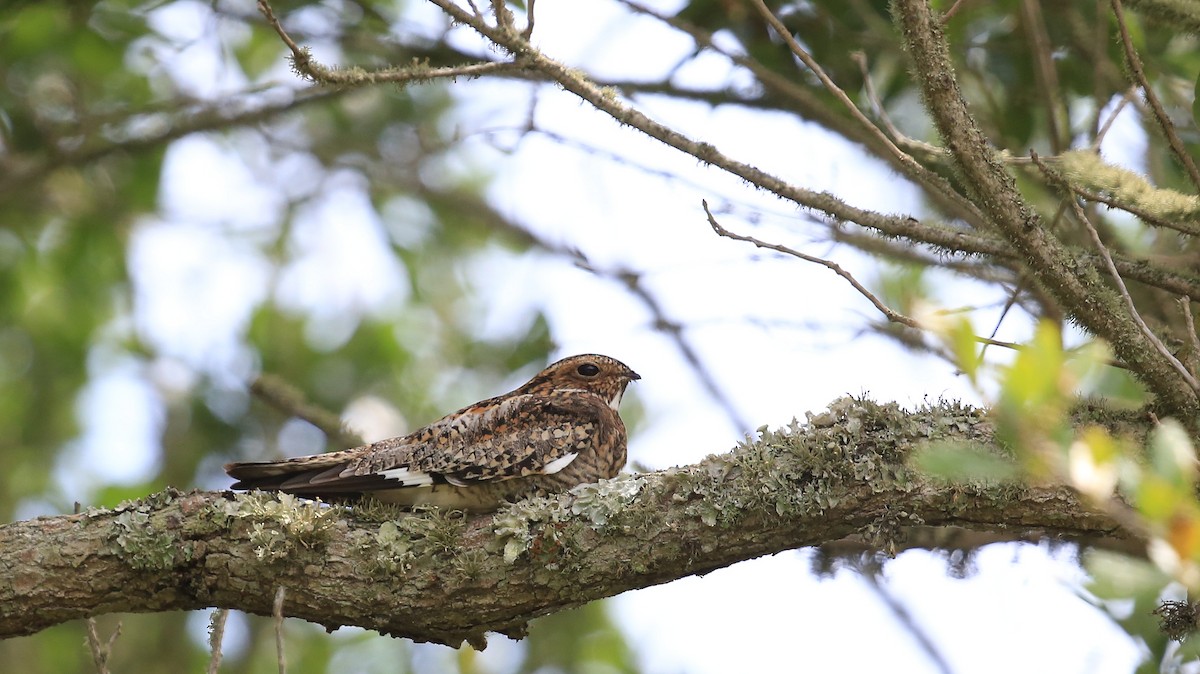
(964, 463)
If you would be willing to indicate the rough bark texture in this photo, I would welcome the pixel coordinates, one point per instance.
(438, 576)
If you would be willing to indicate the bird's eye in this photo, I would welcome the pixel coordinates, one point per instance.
(588, 370)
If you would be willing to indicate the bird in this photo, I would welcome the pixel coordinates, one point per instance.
(558, 430)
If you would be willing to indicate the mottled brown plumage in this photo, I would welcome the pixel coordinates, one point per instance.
(558, 430)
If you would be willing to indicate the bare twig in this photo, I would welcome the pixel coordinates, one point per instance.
(1008, 305)
(888, 312)
(952, 11)
(100, 650)
(1160, 115)
(504, 17)
(305, 65)
(1045, 76)
(675, 331)
(922, 175)
(216, 634)
(1186, 304)
(15, 177)
(926, 149)
(1112, 117)
(812, 107)
(906, 620)
(528, 32)
(281, 658)
(288, 399)
(1130, 307)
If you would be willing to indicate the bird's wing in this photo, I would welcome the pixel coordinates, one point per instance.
(497, 439)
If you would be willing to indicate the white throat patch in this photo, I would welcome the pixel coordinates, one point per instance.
(616, 401)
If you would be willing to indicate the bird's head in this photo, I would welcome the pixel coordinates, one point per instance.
(601, 375)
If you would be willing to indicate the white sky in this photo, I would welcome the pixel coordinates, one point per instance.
(198, 275)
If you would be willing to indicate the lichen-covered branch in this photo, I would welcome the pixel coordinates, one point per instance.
(1077, 287)
(841, 479)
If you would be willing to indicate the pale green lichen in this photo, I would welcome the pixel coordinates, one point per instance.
(434, 530)
(1089, 170)
(545, 526)
(471, 563)
(601, 501)
(283, 523)
(887, 531)
(400, 543)
(142, 545)
(514, 525)
(805, 467)
(393, 550)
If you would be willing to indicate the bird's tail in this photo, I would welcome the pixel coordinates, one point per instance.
(271, 474)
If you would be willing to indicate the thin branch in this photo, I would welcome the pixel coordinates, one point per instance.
(281, 657)
(100, 650)
(888, 312)
(1146, 216)
(504, 17)
(1112, 117)
(1160, 115)
(281, 395)
(307, 66)
(1009, 303)
(812, 108)
(1069, 184)
(952, 11)
(15, 178)
(528, 32)
(1124, 292)
(216, 634)
(1185, 303)
(908, 622)
(911, 252)
(631, 280)
(928, 150)
(1044, 74)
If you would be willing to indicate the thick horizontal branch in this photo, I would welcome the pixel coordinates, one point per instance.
(841, 481)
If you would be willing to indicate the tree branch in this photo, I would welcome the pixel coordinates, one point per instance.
(1078, 287)
(436, 576)
(1138, 74)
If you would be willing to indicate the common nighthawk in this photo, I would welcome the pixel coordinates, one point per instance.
(558, 430)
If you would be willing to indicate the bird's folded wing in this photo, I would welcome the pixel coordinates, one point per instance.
(497, 439)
